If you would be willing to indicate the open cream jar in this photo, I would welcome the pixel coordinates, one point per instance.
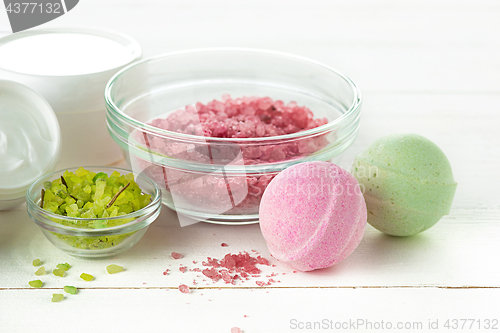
(70, 68)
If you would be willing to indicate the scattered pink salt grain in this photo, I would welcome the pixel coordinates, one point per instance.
(224, 245)
(166, 272)
(236, 330)
(184, 289)
(176, 255)
(212, 274)
(183, 269)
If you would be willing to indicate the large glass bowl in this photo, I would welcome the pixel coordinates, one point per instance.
(78, 236)
(222, 180)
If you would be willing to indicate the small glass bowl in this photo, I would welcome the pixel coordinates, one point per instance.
(74, 236)
(221, 180)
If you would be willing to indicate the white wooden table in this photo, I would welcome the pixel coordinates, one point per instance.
(430, 67)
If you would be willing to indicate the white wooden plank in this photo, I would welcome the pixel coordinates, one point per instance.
(266, 310)
(461, 250)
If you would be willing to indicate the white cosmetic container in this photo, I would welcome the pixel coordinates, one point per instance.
(29, 141)
(70, 67)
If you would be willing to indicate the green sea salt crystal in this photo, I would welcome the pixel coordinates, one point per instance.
(86, 277)
(37, 262)
(58, 272)
(112, 269)
(36, 283)
(70, 290)
(57, 297)
(64, 267)
(40, 271)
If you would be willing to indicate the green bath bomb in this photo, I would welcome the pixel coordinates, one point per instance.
(407, 182)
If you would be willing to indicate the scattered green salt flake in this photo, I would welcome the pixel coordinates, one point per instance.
(70, 290)
(57, 297)
(40, 271)
(64, 267)
(112, 269)
(36, 283)
(86, 277)
(37, 262)
(58, 272)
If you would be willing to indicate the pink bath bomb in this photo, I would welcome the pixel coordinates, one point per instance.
(312, 215)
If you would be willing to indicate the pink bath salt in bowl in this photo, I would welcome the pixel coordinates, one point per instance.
(312, 215)
(246, 117)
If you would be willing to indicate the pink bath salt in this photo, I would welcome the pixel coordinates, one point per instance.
(260, 283)
(176, 255)
(166, 272)
(236, 330)
(212, 273)
(226, 277)
(247, 117)
(262, 261)
(184, 289)
(312, 215)
(211, 262)
(183, 269)
(224, 245)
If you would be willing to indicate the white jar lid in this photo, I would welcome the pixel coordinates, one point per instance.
(30, 140)
(69, 67)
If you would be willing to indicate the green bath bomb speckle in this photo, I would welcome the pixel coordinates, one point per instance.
(407, 182)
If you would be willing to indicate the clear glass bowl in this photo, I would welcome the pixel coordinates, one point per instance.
(221, 180)
(74, 236)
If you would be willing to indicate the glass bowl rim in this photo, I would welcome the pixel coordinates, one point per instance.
(155, 204)
(351, 112)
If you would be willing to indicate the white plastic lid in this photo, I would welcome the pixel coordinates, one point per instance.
(30, 139)
(65, 52)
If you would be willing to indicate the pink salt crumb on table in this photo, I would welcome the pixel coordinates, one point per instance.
(176, 255)
(236, 330)
(184, 289)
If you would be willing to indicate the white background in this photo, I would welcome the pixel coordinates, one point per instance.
(429, 67)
